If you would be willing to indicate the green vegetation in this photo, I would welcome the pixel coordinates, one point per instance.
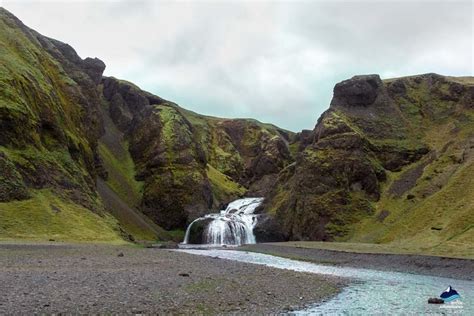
(46, 216)
(121, 174)
(223, 187)
(338, 188)
(441, 224)
(436, 215)
(45, 144)
(177, 234)
(122, 194)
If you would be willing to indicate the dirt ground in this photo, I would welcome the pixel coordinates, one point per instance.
(69, 278)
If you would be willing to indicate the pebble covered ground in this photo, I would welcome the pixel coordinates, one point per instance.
(418, 264)
(67, 278)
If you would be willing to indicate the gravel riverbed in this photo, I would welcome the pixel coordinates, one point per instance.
(87, 278)
(417, 264)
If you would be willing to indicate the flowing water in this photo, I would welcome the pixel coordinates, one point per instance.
(232, 226)
(371, 291)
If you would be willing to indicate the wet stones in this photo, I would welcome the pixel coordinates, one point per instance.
(435, 300)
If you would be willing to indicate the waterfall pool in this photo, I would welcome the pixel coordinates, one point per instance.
(371, 291)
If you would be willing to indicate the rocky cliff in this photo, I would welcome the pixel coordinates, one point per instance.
(88, 157)
(388, 161)
(105, 146)
(49, 126)
(190, 163)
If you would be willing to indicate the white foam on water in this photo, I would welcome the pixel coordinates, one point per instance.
(232, 226)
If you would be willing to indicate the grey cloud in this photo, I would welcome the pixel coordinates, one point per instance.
(273, 61)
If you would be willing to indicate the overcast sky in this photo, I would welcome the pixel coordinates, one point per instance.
(273, 61)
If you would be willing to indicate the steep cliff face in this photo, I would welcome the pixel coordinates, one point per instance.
(190, 163)
(378, 144)
(106, 146)
(49, 126)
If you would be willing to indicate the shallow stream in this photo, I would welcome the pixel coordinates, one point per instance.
(371, 291)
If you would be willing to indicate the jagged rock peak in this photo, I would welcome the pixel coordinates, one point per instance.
(94, 67)
(357, 91)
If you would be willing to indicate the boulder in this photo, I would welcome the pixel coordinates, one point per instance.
(196, 232)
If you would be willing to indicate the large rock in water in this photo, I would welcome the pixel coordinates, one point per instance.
(435, 300)
(197, 232)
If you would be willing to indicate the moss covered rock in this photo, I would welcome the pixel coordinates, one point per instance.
(373, 129)
(190, 163)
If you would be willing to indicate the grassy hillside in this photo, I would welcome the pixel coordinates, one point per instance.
(389, 163)
(435, 211)
(45, 216)
(47, 144)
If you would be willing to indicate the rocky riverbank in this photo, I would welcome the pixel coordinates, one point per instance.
(69, 278)
(427, 265)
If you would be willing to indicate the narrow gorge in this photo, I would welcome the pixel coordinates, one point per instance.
(100, 159)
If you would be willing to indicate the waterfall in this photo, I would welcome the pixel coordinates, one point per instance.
(232, 226)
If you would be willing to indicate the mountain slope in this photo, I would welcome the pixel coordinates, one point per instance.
(190, 163)
(49, 129)
(66, 129)
(390, 161)
(87, 157)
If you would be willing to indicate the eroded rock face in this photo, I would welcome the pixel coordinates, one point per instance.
(190, 164)
(268, 229)
(48, 116)
(372, 127)
(51, 120)
(94, 67)
(358, 91)
(12, 186)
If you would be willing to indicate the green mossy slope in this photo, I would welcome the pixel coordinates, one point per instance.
(191, 164)
(63, 125)
(121, 193)
(434, 212)
(45, 216)
(49, 129)
(390, 162)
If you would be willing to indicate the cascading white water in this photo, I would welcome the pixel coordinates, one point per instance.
(232, 226)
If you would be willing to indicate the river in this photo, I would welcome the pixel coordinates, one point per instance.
(370, 291)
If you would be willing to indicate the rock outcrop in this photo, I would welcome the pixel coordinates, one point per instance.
(189, 163)
(374, 133)
(64, 124)
(48, 115)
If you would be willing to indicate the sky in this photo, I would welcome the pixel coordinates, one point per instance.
(273, 61)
